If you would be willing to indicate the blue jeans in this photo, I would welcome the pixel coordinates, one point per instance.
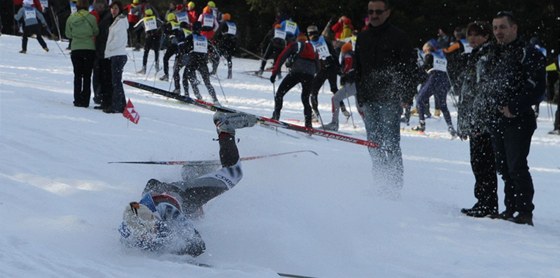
(117, 66)
(382, 122)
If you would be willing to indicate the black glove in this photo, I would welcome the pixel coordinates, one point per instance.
(273, 78)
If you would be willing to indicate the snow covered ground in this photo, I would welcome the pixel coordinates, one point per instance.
(320, 216)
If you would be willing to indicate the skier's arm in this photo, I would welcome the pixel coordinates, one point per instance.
(41, 19)
(288, 50)
(19, 14)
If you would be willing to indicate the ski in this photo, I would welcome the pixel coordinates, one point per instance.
(210, 162)
(262, 120)
(281, 274)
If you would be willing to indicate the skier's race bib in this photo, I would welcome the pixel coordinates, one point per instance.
(232, 28)
(30, 13)
(280, 34)
(440, 63)
(150, 23)
(200, 44)
(175, 26)
(466, 46)
(208, 20)
(183, 17)
(321, 48)
(73, 8)
(291, 27)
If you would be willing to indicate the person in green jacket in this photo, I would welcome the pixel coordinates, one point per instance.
(81, 28)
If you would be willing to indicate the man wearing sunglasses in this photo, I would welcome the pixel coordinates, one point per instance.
(514, 79)
(385, 70)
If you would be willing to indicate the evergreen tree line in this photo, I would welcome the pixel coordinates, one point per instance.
(419, 18)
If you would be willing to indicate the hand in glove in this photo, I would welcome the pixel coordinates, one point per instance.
(273, 78)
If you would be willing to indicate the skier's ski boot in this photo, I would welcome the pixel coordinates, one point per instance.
(164, 78)
(346, 114)
(452, 131)
(229, 122)
(421, 127)
(216, 102)
(333, 126)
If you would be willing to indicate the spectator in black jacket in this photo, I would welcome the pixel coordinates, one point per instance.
(101, 80)
(469, 126)
(385, 69)
(515, 74)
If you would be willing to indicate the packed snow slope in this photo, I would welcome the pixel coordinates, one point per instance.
(61, 201)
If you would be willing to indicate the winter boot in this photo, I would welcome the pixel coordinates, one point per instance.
(177, 91)
(421, 127)
(504, 215)
(315, 116)
(452, 131)
(259, 72)
(523, 218)
(157, 66)
(229, 122)
(346, 114)
(46, 49)
(229, 75)
(164, 78)
(22, 51)
(331, 126)
(437, 113)
(275, 115)
(480, 211)
(216, 102)
(142, 71)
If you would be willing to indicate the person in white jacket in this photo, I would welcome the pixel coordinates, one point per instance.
(116, 51)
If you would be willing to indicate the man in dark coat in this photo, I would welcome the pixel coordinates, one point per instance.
(385, 68)
(515, 76)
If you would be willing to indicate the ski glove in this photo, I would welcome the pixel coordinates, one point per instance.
(273, 78)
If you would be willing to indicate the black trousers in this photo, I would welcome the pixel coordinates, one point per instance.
(32, 30)
(102, 87)
(512, 142)
(484, 170)
(171, 50)
(288, 83)
(82, 60)
(152, 42)
(327, 73)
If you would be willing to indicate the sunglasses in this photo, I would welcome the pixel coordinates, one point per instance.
(377, 12)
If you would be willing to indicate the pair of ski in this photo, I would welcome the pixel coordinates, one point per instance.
(262, 120)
